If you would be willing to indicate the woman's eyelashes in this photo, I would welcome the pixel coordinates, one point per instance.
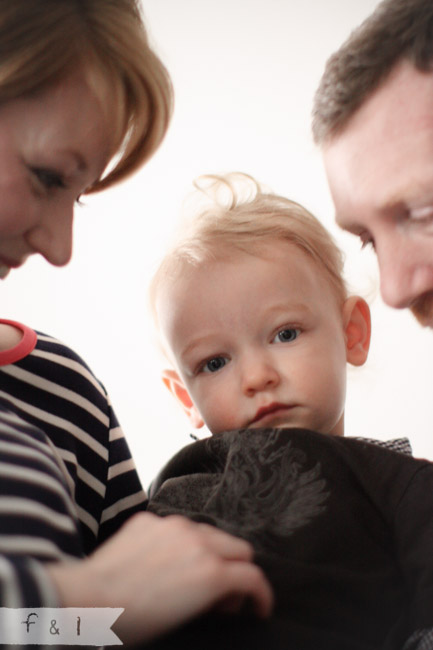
(48, 179)
(366, 240)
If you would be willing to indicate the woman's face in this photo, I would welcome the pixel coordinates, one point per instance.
(53, 145)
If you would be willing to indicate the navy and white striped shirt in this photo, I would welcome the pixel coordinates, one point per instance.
(67, 479)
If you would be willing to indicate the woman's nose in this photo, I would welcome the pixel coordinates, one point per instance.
(52, 236)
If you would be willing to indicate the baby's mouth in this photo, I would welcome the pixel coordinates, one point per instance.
(274, 410)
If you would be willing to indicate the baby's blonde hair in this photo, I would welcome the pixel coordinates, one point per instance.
(233, 212)
(42, 41)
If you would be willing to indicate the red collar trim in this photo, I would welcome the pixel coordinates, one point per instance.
(24, 347)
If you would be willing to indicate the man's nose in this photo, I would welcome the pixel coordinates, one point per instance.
(52, 236)
(403, 275)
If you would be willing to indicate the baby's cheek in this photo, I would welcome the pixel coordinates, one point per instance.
(221, 415)
(219, 400)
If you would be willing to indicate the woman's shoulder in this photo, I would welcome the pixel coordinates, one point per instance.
(46, 363)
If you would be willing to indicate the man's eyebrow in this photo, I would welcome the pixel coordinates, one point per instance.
(411, 192)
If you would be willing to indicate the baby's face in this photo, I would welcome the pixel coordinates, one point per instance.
(259, 341)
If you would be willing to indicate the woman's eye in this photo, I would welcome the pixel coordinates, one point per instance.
(286, 335)
(213, 365)
(366, 241)
(49, 178)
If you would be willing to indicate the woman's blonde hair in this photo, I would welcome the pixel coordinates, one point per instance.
(42, 41)
(233, 212)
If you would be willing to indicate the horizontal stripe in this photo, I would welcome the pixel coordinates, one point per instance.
(116, 433)
(35, 477)
(20, 429)
(65, 429)
(33, 546)
(121, 468)
(61, 423)
(87, 519)
(122, 505)
(76, 366)
(89, 479)
(55, 389)
(18, 507)
(25, 451)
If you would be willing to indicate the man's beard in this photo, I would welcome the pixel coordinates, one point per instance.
(422, 309)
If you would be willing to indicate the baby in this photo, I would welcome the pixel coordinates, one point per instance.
(257, 323)
(255, 317)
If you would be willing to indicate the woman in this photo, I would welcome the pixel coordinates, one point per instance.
(83, 103)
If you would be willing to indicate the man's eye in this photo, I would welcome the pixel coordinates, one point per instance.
(423, 214)
(213, 365)
(286, 335)
(49, 178)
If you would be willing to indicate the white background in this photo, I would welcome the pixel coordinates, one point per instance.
(244, 73)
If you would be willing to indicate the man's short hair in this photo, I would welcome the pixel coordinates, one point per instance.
(396, 30)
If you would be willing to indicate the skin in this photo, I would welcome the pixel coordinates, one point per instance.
(380, 173)
(261, 341)
(53, 145)
(164, 571)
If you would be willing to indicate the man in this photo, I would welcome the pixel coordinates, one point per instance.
(373, 119)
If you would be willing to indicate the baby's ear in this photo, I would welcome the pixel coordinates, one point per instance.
(176, 387)
(357, 328)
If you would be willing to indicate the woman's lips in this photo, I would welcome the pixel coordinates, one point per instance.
(7, 264)
(4, 270)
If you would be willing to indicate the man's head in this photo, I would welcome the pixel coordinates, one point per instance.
(397, 30)
(373, 118)
(258, 326)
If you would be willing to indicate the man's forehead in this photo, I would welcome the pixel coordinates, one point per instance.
(384, 155)
(405, 88)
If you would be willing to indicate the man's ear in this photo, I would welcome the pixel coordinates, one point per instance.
(176, 387)
(357, 328)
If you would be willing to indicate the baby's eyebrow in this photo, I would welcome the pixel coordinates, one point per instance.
(289, 309)
(195, 343)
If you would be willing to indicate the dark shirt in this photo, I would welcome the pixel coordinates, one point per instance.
(342, 528)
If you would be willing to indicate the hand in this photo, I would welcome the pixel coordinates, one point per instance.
(164, 571)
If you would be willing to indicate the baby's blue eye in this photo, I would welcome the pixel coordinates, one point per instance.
(287, 335)
(215, 364)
